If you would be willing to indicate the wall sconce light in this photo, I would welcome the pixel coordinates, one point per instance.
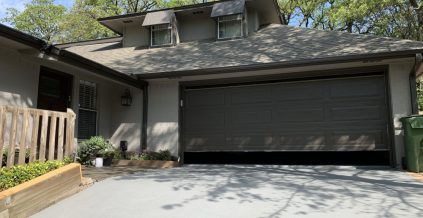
(126, 99)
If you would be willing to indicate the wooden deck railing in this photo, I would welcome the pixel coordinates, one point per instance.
(37, 134)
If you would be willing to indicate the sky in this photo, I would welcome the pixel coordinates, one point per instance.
(20, 5)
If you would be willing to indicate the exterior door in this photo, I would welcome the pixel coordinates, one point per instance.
(54, 91)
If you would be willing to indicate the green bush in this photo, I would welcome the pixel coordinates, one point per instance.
(11, 177)
(164, 155)
(96, 146)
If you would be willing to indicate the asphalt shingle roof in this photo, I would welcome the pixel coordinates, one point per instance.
(272, 44)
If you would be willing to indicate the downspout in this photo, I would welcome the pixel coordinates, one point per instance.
(412, 79)
(144, 117)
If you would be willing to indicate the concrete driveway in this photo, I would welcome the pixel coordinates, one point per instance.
(249, 191)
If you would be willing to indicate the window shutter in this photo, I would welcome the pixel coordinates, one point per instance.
(87, 124)
(87, 116)
(87, 95)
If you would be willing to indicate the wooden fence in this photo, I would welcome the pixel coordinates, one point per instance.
(37, 134)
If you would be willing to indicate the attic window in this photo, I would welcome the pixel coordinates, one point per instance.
(161, 34)
(230, 26)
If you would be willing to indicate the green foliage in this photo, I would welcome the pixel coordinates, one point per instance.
(10, 177)
(67, 160)
(117, 154)
(164, 155)
(420, 93)
(41, 18)
(81, 23)
(394, 18)
(96, 146)
(177, 3)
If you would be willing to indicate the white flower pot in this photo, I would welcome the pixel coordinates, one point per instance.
(99, 162)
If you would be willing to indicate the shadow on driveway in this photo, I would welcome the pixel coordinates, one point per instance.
(250, 191)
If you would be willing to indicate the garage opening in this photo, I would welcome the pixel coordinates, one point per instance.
(332, 120)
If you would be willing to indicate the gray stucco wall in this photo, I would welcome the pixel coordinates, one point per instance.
(19, 79)
(136, 35)
(400, 102)
(19, 87)
(163, 117)
(253, 20)
(197, 29)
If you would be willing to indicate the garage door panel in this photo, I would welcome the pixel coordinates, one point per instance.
(359, 138)
(359, 87)
(204, 119)
(260, 94)
(301, 140)
(321, 115)
(356, 113)
(201, 142)
(205, 98)
(253, 141)
(299, 115)
(250, 115)
(297, 92)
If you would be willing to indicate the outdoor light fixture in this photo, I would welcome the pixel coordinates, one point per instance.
(123, 148)
(126, 99)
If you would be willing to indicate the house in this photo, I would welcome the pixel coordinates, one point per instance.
(224, 80)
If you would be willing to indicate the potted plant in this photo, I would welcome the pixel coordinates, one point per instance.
(96, 148)
(108, 154)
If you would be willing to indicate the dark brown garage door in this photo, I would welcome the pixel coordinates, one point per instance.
(341, 114)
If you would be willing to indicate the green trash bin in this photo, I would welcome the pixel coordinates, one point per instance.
(413, 141)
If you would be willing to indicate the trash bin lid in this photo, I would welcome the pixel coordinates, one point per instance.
(416, 122)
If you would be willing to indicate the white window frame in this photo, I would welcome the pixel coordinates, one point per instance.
(170, 27)
(88, 83)
(240, 19)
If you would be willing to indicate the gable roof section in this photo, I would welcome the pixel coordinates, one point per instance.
(274, 46)
(21, 37)
(68, 57)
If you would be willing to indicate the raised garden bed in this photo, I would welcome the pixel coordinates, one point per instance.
(30, 197)
(149, 164)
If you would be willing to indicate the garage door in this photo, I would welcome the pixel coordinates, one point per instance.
(338, 114)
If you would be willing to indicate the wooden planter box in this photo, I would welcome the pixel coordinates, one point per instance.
(150, 164)
(30, 197)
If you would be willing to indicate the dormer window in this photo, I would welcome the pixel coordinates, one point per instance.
(161, 27)
(230, 15)
(161, 35)
(230, 26)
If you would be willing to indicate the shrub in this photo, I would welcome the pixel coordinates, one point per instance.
(11, 177)
(93, 147)
(164, 155)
